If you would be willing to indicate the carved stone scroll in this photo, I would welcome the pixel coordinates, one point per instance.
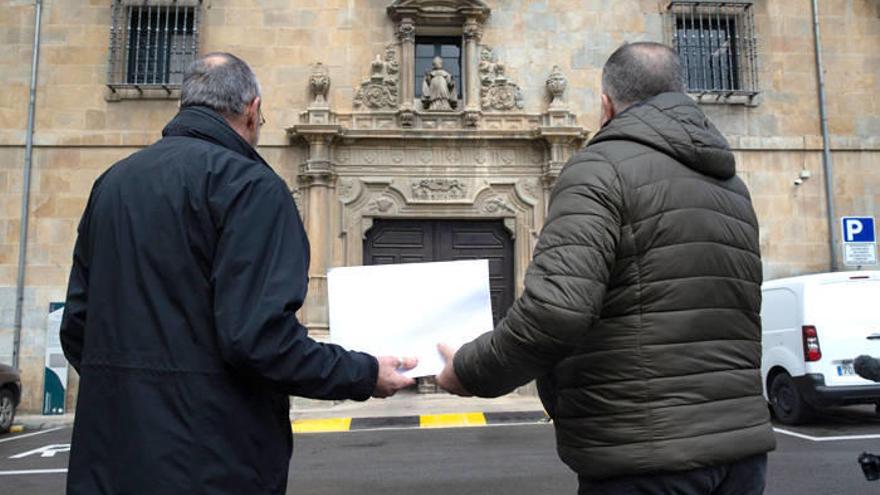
(497, 205)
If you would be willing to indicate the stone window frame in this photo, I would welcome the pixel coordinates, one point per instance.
(461, 61)
(119, 80)
(739, 57)
(435, 18)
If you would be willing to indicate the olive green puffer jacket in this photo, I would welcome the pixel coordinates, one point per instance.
(642, 303)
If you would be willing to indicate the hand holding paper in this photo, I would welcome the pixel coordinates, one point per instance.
(447, 379)
(404, 310)
(390, 381)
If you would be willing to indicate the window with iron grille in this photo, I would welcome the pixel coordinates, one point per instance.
(152, 42)
(717, 46)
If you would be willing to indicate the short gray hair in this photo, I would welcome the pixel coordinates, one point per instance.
(220, 81)
(638, 71)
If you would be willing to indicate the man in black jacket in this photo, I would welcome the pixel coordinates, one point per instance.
(641, 308)
(189, 267)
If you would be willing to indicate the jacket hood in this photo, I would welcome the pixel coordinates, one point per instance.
(673, 124)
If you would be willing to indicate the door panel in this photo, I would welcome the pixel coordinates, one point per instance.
(412, 241)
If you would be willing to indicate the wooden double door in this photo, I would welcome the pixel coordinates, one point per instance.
(415, 241)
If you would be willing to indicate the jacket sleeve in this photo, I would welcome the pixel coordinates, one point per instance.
(73, 321)
(260, 279)
(564, 285)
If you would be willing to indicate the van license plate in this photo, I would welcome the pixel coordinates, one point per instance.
(846, 370)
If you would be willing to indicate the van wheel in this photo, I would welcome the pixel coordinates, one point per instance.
(787, 404)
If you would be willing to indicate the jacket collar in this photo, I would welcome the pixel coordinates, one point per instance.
(206, 124)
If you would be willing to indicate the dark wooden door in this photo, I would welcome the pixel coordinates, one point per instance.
(415, 241)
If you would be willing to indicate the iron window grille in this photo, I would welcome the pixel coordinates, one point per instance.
(152, 42)
(717, 46)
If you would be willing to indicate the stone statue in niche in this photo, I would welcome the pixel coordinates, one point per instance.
(438, 89)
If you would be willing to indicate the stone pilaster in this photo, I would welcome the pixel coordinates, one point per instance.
(406, 33)
(317, 183)
(473, 32)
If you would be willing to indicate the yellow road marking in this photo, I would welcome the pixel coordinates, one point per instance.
(451, 420)
(16, 429)
(321, 425)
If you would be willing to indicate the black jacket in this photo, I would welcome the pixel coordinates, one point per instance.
(190, 263)
(642, 304)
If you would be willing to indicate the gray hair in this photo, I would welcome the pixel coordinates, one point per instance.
(220, 81)
(638, 71)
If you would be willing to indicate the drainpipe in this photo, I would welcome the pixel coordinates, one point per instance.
(26, 188)
(827, 166)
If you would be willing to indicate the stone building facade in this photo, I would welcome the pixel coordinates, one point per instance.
(380, 176)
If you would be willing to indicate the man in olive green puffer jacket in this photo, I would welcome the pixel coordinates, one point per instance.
(640, 311)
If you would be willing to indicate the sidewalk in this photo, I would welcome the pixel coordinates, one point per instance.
(405, 406)
(39, 422)
(411, 404)
(412, 410)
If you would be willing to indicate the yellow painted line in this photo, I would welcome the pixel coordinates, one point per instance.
(16, 429)
(451, 420)
(321, 425)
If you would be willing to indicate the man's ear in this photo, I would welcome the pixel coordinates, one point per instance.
(252, 113)
(608, 110)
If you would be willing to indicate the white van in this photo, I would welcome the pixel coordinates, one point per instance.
(814, 326)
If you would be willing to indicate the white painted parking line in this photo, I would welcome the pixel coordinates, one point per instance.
(32, 471)
(825, 439)
(26, 435)
(47, 451)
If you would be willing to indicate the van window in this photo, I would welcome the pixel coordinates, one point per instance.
(853, 302)
(779, 310)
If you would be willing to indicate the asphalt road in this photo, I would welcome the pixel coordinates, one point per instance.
(818, 459)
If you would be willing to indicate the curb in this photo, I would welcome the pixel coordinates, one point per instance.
(40, 422)
(424, 421)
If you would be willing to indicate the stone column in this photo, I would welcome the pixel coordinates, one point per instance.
(473, 32)
(317, 181)
(562, 143)
(406, 32)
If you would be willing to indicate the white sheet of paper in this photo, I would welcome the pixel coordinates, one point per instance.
(407, 309)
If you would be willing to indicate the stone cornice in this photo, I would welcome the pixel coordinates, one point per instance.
(444, 126)
(439, 11)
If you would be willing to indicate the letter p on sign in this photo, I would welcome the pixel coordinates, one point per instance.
(858, 229)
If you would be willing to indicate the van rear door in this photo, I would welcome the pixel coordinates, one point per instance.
(846, 315)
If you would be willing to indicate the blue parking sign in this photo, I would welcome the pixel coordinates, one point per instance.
(858, 229)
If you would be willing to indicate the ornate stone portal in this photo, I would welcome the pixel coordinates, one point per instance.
(396, 156)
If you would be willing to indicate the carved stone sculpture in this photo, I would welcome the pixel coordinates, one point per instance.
(379, 92)
(556, 86)
(319, 82)
(496, 205)
(438, 89)
(438, 189)
(497, 91)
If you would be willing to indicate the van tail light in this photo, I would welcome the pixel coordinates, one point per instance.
(812, 351)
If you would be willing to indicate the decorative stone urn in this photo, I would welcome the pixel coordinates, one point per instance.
(319, 82)
(556, 86)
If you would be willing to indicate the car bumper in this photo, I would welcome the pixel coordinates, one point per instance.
(813, 389)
